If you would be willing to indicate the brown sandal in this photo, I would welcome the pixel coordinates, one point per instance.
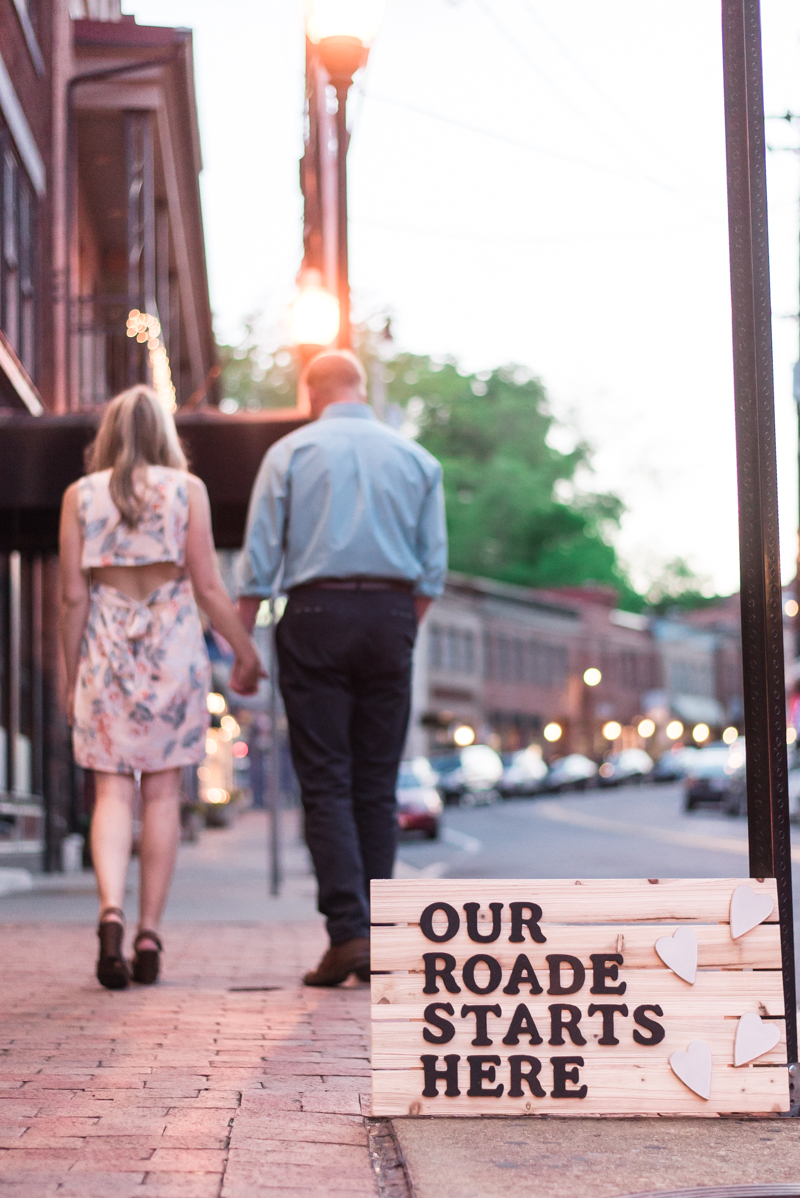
(112, 969)
(146, 961)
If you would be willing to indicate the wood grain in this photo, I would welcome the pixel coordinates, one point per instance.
(720, 993)
(398, 1045)
(612, 1090)
(626, 900)
(395, 948)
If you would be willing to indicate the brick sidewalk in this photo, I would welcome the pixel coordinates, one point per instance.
(191, 1088)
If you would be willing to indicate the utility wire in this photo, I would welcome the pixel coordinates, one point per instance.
(524, 145)
(531, 63)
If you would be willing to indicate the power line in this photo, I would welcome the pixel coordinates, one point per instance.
(492, 135)
(535, 67)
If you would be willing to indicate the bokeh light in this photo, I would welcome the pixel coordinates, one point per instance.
(730, 735)
(701, 733)
(592, 676)
(612, 730)
(464, 735)
(646, 728)
(216, 703)
(674, 729)
(552, 732)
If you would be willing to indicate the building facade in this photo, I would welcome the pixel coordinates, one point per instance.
(102, 285)
(507, 661)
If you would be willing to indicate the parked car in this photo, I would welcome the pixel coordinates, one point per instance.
(673, 765)
(524, 773)
(629, 765)
(419, 804)
(573, 772)
(715, 776)
(471, 775)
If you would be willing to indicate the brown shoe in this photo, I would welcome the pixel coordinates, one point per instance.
(340, 961)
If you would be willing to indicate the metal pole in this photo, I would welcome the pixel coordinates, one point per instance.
(274, 763)
(762, 616)
(342, 271)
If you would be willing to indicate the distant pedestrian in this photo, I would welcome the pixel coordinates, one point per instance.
(136, 550)
(347, 516)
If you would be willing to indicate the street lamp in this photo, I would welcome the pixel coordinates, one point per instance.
(314, 313)
(342, 31)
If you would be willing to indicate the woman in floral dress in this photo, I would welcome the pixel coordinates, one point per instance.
(137, 556)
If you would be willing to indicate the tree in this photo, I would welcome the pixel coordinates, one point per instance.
(677, 586)
(509, 514)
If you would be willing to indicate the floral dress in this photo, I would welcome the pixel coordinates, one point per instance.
(144, 675)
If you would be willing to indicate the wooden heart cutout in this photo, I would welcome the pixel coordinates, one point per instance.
(679, 952)
(693, 1067)
(753, 1038)
(748, 910)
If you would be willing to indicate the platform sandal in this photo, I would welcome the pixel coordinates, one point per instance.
(146, 961)
(112, 968)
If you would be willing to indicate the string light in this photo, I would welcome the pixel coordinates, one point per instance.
(147, 331)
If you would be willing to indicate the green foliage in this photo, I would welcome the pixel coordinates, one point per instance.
(511, 512)
(677, 586)
(255, 378)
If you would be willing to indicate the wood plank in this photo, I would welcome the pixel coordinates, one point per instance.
(629, 1090)
(620, 900)
(396, 948)
(714, 993)
(398, 1045)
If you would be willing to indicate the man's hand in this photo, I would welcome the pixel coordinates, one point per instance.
(421, 605)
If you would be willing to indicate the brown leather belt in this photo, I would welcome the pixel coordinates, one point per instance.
(354, 584)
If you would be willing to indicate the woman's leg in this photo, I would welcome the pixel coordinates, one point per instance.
(161, 832)
(111, 836)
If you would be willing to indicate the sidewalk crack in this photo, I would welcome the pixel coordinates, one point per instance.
(387, 1160)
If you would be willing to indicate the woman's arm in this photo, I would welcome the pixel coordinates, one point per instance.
(211, 595)
(74, 590)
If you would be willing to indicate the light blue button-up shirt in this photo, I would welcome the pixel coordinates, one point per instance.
(345, 496)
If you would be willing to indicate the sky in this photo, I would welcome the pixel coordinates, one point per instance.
(532, 183)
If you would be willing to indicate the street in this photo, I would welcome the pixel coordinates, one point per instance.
(629, 832)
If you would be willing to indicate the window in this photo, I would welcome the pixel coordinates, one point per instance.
(435, 647)
(17, 247)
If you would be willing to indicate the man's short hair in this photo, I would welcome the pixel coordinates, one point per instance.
(334, 369)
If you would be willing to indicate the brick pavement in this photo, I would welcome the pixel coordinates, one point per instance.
(189, 1089)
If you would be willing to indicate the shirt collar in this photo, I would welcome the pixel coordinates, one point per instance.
(360, 411)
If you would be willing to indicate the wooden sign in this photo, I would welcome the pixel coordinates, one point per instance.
(563, 997)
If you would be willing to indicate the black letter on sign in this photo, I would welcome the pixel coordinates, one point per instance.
(468, 974)
(608, 1011)
(444, 1025)
(449, 1075)
(522, 1024)
(523, 972)
(482, 1014)
(562, 1075)
(555, 961)
(558, 1025)
(531, 923)
(483, 1069)
(472, 910)
(426, 922)
(656, 1030)
(531, 1077)
(443, 971)
(602, 972)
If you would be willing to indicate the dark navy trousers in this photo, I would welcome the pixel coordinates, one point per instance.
(345, 675)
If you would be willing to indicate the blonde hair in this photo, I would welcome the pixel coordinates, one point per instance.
(136, 432)
(334, 369)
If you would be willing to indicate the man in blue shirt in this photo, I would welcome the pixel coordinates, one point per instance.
(347, 517)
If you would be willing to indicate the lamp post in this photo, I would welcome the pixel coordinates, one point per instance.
(341, 32)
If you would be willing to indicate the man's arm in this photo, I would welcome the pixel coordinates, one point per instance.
(431, 547)
(264, 539)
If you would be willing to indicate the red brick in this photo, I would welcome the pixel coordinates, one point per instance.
(188, 1160)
